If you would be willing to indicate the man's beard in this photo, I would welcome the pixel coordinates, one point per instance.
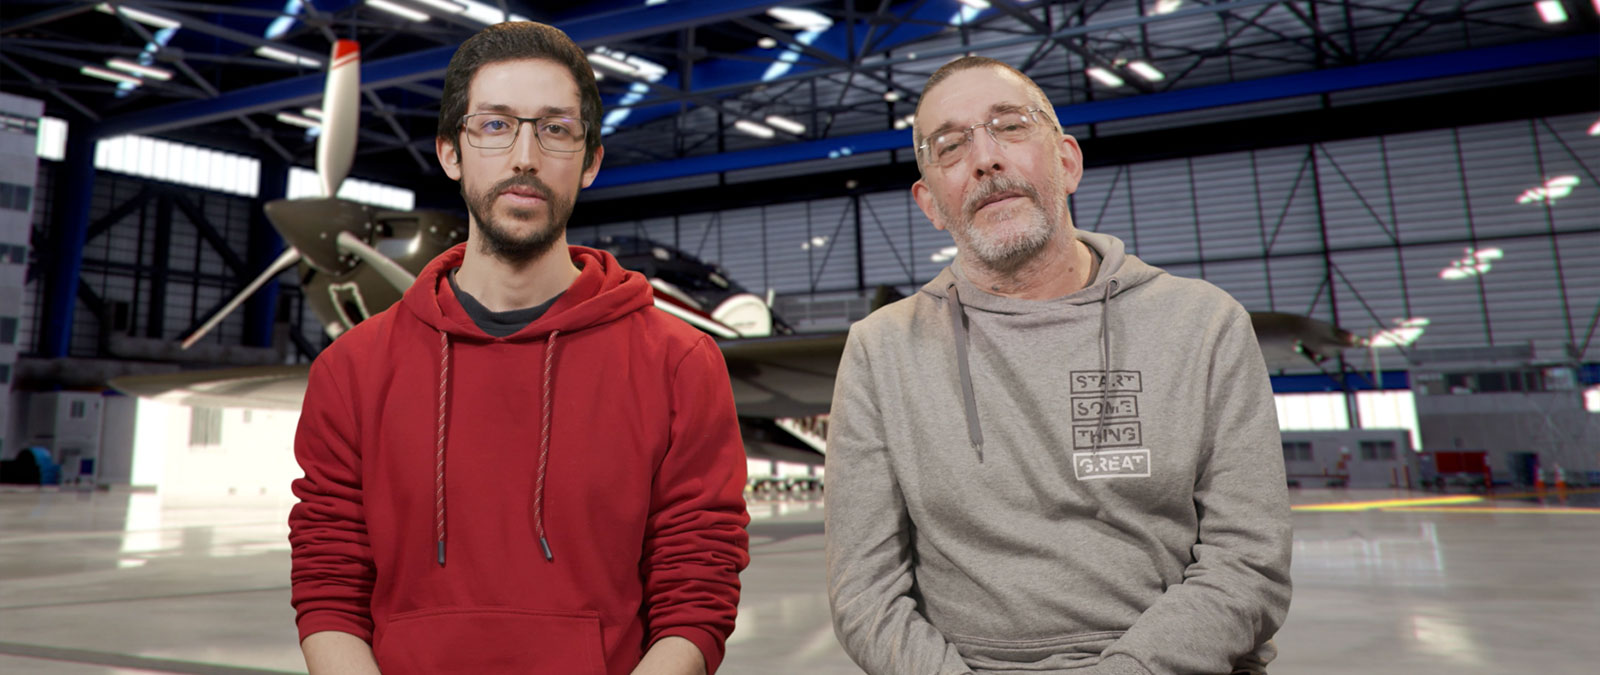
(1005, 246)
(497, 241)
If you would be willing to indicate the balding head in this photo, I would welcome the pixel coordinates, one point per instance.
(969, 63)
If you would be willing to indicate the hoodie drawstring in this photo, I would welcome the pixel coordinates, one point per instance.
(969, 401)
(438, 453)
(1105, 360)
(544, 446)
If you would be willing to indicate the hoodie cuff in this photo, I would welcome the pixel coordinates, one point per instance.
(710, 647)
(1120, 664)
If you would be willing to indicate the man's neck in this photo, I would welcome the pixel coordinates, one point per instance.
(501, 287)
(1061, 268)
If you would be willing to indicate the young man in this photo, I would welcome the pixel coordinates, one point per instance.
(1054, 458)
(523, 466)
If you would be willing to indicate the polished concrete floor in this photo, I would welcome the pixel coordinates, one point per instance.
(119, 582)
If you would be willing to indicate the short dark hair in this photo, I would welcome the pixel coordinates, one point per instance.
(516, 41)
(969, 63)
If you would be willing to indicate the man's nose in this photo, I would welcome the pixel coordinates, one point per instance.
(525, 152)
(986, 154)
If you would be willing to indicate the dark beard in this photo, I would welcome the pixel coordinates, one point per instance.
(499, 243)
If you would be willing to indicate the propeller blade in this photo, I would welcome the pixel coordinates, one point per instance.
(341, 110)
(285, 261)
(391, 271)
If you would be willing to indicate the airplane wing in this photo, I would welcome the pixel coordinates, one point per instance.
(270, 387)
(785, 375)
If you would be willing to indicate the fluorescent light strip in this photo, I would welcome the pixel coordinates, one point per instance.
(141, 16)
(397, 10)
(976, 4)
(1552, 11)
(1104, 76)
(113, 76)
(800, 19)
(313, 113)
(290, 58)
(753, 129)
(138, 69)
(1146, 71)
(296, 120)
(786, 124)
(443, 5)
(615, 65)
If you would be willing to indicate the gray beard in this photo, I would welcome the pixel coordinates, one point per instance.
(1009, 255)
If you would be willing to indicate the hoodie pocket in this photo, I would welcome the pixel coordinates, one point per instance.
(490, 640)
(1054, 653)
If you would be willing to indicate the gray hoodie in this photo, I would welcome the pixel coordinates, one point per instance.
(1090, 484)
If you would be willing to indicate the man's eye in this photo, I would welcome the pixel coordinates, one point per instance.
(556, 130)
(944, 146)
(494, 126)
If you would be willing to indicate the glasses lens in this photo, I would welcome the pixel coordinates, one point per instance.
(948, 148)
(561, 134)
(1012, 126)
(489, 130)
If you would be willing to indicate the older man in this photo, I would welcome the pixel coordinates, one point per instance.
(1054, 458)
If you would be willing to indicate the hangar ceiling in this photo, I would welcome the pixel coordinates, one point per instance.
(691, 86)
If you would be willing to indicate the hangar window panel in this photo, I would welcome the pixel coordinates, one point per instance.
(888, 253)
(1579, 254)
(744, 246)
(52, 143)
(1354, 190)
(1288, 196)
(832, 260)
(934, 247)
(1231, 218)
(1245, 280)
(1566, 149)
(1524, 297)
(1454, 308)
(189, 165)
(1164, 212)
(789, 226)
(1102, 203)
(145, 150)
(1369, 290)
(1296, 284)
(252, 178)
(1499, 164)
(1425, 176)
(702, 235)
(1311, 412)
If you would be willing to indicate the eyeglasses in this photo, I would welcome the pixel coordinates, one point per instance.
(496, 131)
(1015, 126)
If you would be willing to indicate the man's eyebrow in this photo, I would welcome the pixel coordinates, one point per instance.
(993, 110)
(542, 112)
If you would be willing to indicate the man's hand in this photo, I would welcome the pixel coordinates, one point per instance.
(333, 652)
(672, 655)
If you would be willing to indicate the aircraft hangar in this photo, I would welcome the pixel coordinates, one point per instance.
(1402, 193)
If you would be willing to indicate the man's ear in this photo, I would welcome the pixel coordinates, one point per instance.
(1072, 161)
(449, 157)
(924, 196)
(594, 167)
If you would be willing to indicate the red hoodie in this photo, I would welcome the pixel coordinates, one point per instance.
(430, 482)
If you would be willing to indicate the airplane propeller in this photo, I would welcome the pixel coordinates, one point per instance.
(331, 235)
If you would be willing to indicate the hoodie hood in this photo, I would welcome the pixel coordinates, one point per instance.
(603, 292)
(1118, 272)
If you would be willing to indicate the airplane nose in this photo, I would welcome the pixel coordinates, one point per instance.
(312, 226)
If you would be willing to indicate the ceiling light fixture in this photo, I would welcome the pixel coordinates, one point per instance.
(1552, 11)
(296, 120)
(1146, 71)
(766, 43)
(102, 73)
(1550, 191)
(790, 18)
(397, 10)
(1475, 263)
(976, 4)
(1167, 6)
(816, 242)
(443, 5)
(891, 96)
(139, 69)
(611, 64)
(287, 57)
(1594, 129)
(313, 113)
(786, 124)
(753, 129)
(140, 15)
(1104, 76)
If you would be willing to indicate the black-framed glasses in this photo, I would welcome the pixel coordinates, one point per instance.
(1013, 126)
(497, 131)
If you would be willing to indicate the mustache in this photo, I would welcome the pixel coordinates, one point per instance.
(529, 181)
(996, 186)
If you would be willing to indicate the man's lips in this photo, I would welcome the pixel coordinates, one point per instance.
(999, 199)
(523, 196)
